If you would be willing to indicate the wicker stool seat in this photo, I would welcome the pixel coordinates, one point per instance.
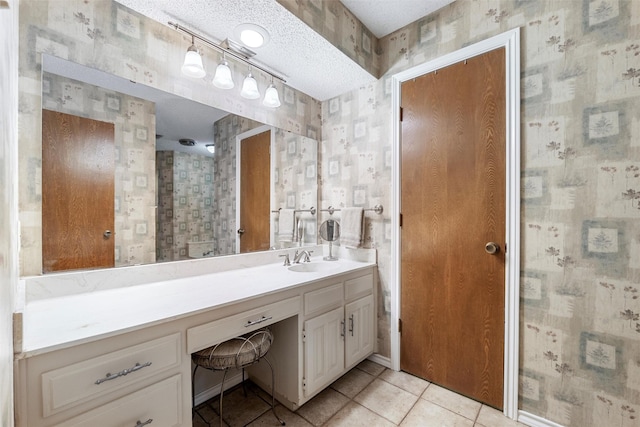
(238, 353)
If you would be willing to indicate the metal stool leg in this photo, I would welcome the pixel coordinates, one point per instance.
(193, 397)
(273, 387)
(244, 387)
(221, 394)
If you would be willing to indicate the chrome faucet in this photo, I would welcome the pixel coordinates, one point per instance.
(299, 255)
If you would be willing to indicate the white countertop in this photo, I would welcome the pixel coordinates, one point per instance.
(53, 323)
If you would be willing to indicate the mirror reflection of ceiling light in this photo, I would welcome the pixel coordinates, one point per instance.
(211, 148)
(252, 35)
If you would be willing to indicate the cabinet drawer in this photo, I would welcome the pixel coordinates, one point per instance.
(66, 387)
(160, 403)
(323, 299)
(211, 333)
(360, 286)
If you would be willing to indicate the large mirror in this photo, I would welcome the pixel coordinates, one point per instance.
(244, 186)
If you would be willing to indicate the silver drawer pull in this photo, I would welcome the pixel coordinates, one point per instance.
(122, 373)
(139, 424)
(351, 324)
(255, 322)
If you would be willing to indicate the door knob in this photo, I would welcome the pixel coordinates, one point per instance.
(107, 234)
(241, 231)
(492, 248)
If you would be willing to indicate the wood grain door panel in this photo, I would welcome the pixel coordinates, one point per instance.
(78, 173)
(255, 184)
(453, 203)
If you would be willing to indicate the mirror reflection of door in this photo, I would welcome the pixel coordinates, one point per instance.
(255, 188)
(78, 173)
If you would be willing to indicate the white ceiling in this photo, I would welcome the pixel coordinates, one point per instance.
(383, 17)
(305, 58)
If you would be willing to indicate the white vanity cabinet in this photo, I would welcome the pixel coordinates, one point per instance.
(343, 335)
(119, 381)
(141, 375)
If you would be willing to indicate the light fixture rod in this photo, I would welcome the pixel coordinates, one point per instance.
(223, 50)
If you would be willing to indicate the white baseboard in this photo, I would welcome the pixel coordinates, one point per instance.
(380, 360)
(207, 394)
(535, 421)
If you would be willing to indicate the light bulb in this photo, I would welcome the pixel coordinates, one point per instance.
(222, 79)
(192, 66)
(271, 98)
(250, 88)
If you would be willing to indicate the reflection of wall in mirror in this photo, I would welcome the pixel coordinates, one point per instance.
(185, 203)
(225, 131)
(134, 121)
(296, 180)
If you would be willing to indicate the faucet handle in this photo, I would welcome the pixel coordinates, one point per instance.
(287, 262)
(307, 256)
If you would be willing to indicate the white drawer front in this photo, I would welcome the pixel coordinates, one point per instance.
(357, 287)
(323, 299)
(211, 333)
(74, 384)
(160, 403)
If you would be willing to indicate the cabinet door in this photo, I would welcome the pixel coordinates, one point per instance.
(359, 335)
(323, 350)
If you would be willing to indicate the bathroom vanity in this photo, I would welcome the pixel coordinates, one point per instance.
(120, 355)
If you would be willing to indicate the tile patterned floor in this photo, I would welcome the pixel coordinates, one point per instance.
(369, 396)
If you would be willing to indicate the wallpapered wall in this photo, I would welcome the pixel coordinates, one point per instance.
(580, 273)
(135, 185)
(185, 203)
(106, 35)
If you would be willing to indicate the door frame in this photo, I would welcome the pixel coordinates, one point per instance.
(510, 40)
(272, 164)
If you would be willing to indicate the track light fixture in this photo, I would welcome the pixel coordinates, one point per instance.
(223, 79)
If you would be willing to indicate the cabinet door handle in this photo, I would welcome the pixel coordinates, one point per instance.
(351, 324)
(141, 424)
(342, 324)
(255, 322)
(110, 376)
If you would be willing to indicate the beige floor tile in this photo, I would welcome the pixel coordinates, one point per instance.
(269, 420)
(352, 383)
(354, 415)
(386, 400)
(454, 402)
(405, 381)
(490, 417)
(322, 407)
(206, 411)
(427, 414)
(371, 367)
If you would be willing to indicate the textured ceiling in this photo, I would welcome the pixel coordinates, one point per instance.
(308, 61)
(383, 17)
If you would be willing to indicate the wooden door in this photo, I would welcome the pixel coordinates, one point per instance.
(255, 185)
(78, 173)
(453, 204)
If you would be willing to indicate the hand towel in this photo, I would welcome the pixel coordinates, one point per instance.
(286, 221)
(351, 226)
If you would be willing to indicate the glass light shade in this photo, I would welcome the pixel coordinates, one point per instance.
(192, 66)
(250, 88)
(222, 79)
(211, 148)
(251, 38)
(271, 98)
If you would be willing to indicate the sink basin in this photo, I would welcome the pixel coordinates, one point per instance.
(312, 267)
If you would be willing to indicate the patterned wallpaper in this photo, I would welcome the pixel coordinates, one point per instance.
(580, 273)
(106, 35)
(134, 140)
(185, 203)
(333, 21)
